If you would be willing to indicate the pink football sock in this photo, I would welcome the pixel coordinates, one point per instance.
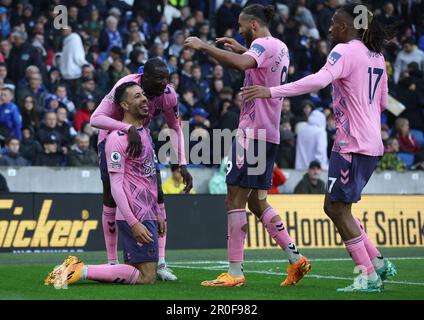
(118, 273)
(276, 229)
(236, 220)
(371, 249)
(110, 232)
(358, 252)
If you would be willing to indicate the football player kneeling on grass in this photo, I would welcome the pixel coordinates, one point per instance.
(134, 188)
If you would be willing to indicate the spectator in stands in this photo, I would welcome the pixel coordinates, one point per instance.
(286, 114)
(407, 141)
(311, 183)
(73, 57)
(35, 88)
(51, 155)
(5, 26)
(325, 11)
(137, 58)
(93, 25)
(312, 142)
(177, 44)
(88, 90)
(4, 81)
(304, 111)
(91, 132)
(82, 155)
(410, 53)
(390, 160)
(64, 126)
(52, 103)
(110, 36)
(54, 78)
(29, 146)
(389, 16)
(199, 119)
(199, 85)
(286, 149)
(227, 15)
(22, 55)
(174, 184)
(229, 112)
(84, 113)
(10, 119)
(278, 179)
(29, 115)
(12, 157)
(48, 129)
(62, 93)
(29, 71)
(4, 188)
(117, 71)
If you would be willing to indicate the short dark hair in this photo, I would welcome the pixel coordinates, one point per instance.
(153, 64)
(9, 139)
(121, 91)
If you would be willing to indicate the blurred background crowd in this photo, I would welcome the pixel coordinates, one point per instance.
(52, 79)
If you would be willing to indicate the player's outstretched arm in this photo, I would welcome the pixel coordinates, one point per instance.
(231, 44)
(311, 83)
(238, 61)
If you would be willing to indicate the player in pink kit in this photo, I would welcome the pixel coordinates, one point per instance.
(134, 188)
(266, 62)
(356, 68)
(162, 97)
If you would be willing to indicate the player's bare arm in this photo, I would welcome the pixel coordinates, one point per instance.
(234, 60)
(231, 44)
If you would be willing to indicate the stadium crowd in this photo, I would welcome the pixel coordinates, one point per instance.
(52, 79)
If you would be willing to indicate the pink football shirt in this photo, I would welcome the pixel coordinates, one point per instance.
(108, 115)
(359, 96)
(272, 58)
(139, 181)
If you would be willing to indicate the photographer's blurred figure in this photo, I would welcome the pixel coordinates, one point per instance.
(311, 183)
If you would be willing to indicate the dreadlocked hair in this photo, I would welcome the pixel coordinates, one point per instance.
(374, 35)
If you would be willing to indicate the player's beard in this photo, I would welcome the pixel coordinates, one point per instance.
(248, 36)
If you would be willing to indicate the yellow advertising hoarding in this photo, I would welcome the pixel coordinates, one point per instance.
(389, 220)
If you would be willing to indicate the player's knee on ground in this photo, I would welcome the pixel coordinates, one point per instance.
(147, 273)
(149, 278)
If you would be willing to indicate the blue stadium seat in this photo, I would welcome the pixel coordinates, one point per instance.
(419, 135)
(407, 158)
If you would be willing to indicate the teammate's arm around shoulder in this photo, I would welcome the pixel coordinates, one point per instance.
(102, 117)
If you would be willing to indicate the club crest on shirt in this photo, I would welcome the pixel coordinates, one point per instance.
(115, 157)
(334, 57)
(257, 49)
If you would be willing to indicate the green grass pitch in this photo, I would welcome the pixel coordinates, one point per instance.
(21, 277)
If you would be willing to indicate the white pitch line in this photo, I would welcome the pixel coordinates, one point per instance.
(284, 260)
(317, 276)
